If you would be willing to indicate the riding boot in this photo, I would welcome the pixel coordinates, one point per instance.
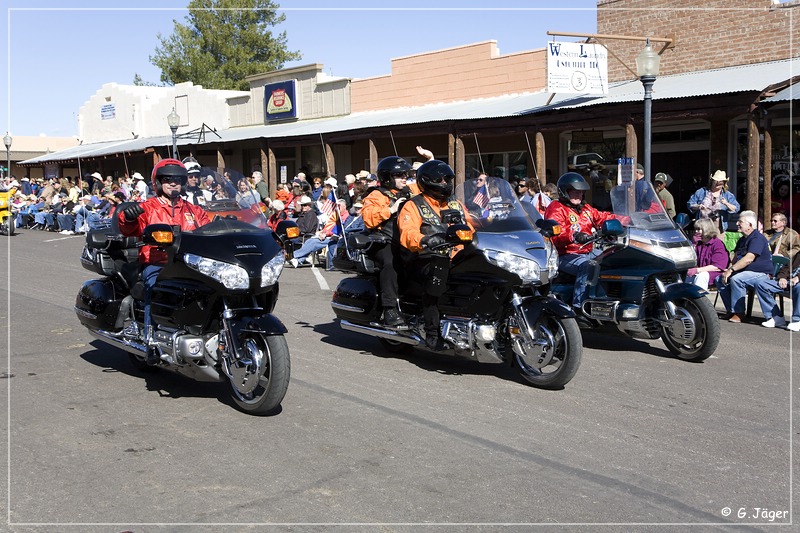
(393, 318)
(430, 314)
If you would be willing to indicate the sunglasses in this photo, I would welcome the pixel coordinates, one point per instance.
(399, 174)
(175, 180)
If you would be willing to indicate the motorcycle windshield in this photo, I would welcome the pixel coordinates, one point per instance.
(637, 205)
(493, 206)
(229, 194)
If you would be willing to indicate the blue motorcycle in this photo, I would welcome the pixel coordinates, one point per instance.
(639, 261)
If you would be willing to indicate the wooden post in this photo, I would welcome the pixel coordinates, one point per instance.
(541, 169)
(767, 199)
(220, 160)
(272, 165)
(461, 161)
(451, 158)
(330, 161)
(753, 157)
(631, 141)
(265, 173)
(373, 157)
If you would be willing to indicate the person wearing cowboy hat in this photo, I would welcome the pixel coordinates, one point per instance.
(714, 201)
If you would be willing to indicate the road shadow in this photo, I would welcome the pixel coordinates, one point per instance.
(167, 384)
(610, 339)
(369, 346)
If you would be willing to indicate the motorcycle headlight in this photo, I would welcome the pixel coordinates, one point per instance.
(231, 276)
(525, 268)
(272, 271)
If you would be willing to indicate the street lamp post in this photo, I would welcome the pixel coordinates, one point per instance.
(7, 141)
(173, 120)
(647, 68)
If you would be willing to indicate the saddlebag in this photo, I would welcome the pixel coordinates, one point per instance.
(356, 299)
(98, 303)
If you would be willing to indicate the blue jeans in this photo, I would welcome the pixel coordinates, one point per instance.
(734, 292)
(311, 245)
(577, 265)
(766, 289)
(149, 276)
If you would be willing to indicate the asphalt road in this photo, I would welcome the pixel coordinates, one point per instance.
(636, 441)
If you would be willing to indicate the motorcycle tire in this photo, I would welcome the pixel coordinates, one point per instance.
(701, 315)
(270, 354)
(565, 341)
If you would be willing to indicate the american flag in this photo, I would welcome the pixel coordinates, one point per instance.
(329, 205)
(481, 200)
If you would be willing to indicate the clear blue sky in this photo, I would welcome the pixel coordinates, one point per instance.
(62, 52)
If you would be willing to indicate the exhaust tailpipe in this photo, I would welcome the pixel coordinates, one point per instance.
(413, 340)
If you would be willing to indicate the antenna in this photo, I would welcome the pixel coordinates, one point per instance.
(393, 145)
(324, 155)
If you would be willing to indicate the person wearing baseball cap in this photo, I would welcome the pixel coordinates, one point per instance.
(660, 182)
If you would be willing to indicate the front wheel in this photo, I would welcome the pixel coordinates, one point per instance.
(258, 381)
(693, 334)
(551, 358)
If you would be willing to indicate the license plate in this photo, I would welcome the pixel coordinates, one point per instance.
(602, 310)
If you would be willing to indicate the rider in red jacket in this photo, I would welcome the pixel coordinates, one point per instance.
(167, 207)
(575, 217)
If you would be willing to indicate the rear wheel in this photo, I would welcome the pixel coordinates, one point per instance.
(551, 358)
(693, 335)
(258, 381)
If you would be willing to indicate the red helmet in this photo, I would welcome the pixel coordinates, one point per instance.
(167, 168)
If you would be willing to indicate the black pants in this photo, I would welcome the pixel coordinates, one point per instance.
(433, 270)
(387, 260)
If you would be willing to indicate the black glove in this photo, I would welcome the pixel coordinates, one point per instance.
(132, 212)
(582, 238)
(432, 241)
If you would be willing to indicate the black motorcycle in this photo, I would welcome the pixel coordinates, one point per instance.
(493, 309)
(636, 283)
(211, 305)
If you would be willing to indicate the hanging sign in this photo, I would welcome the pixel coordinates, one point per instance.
(580, 68)
(280, 101)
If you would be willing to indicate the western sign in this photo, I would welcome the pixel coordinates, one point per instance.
(579, 68)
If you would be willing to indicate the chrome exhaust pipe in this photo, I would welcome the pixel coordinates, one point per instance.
(413, 340)
(118, 342)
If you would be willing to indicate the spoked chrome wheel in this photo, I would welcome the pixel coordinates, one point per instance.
(259, 380)
(693, 333)
(549, 355)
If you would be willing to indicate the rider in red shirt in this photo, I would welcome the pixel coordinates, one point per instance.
(578, 220)
(167, 207)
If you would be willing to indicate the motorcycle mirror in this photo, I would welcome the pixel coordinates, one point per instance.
(459, 232)
(612, 227)
(158, 235)
(287, 229)
(548, 228)
(450, 216)
(682, 220)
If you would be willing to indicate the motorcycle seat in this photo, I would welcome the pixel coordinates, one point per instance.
(363, 241)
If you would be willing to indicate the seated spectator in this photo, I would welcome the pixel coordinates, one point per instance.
(245, 196)
(324, 237)
(783, 241)
(542, 199)
(278, 214)
(712, 257)
(752, 262)
(307, 220)
(766, 289)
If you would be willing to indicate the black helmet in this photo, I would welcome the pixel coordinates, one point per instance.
(570, 181)
(435, 178)
(387, 167)
(167, 168)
